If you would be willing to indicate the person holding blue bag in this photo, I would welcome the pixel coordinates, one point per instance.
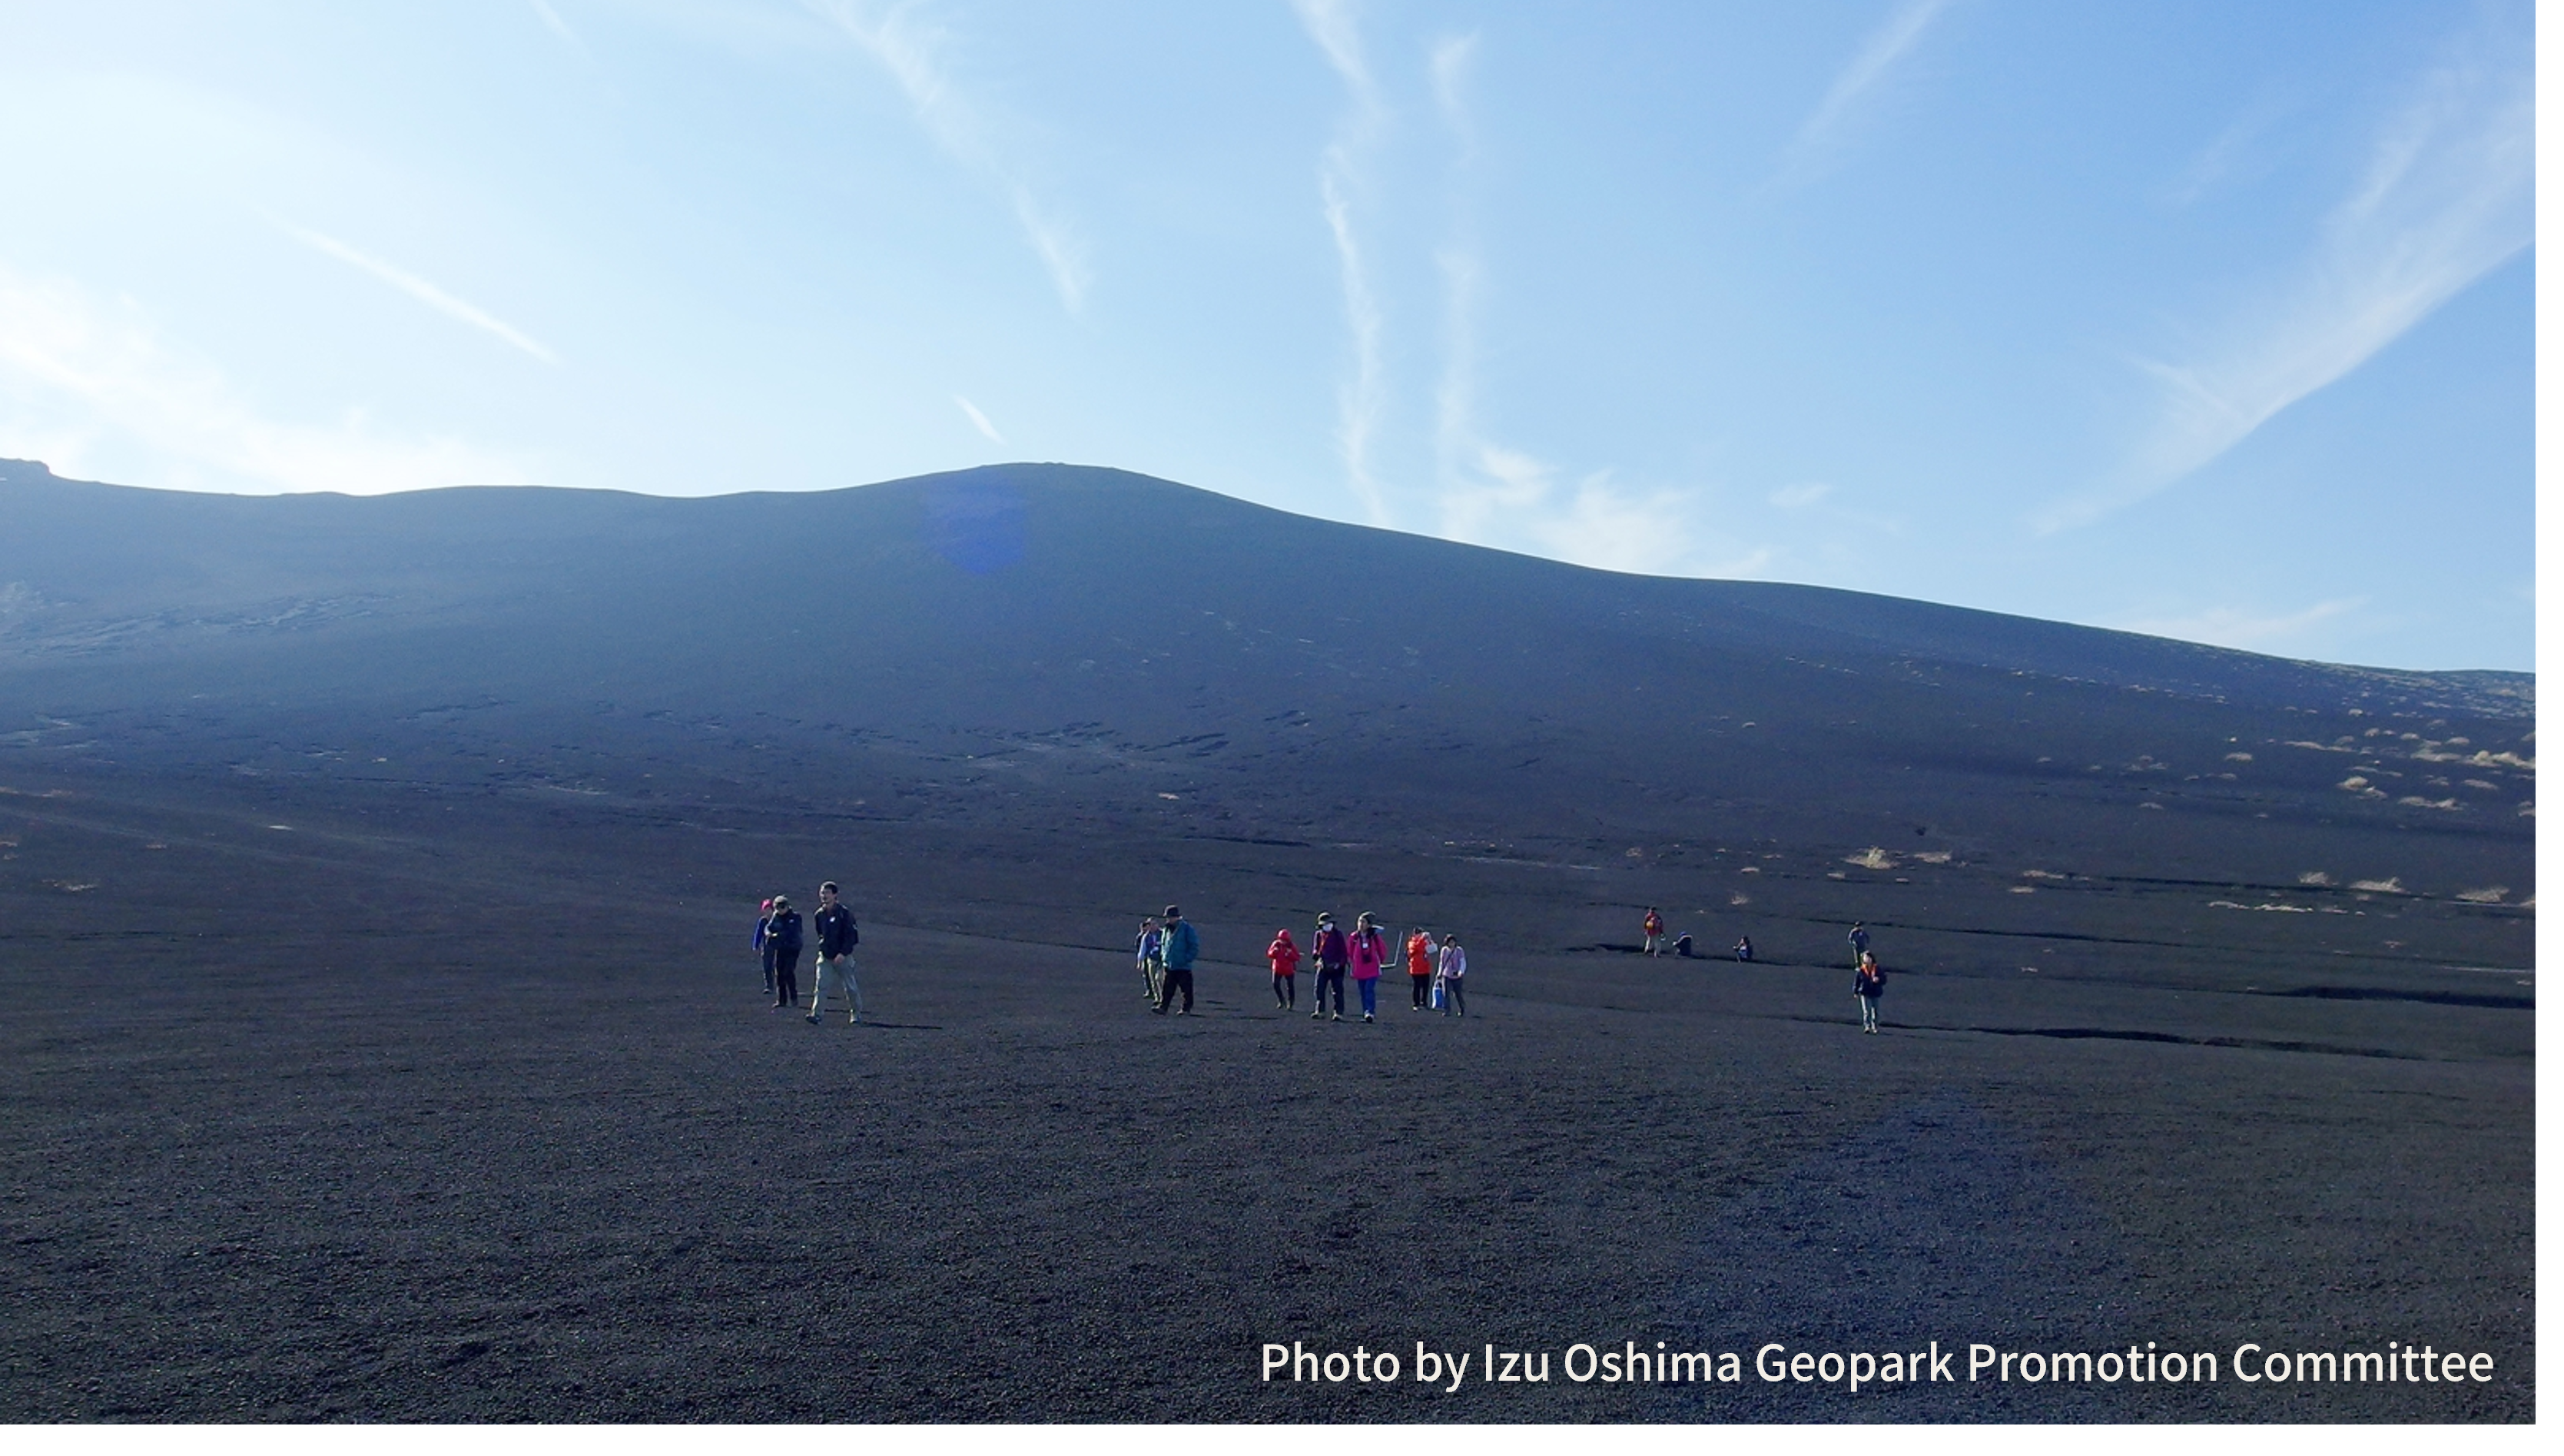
(1450, 970)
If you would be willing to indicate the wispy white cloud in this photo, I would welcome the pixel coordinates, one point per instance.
(421, 290)
(1497, 496)
(2242, 152)
(2446, 197)
(2240, 627)
(1822, 132)
(912, 49)
(1331, 24)
(980, 419)
(1362, 398)
(1490, 493)
(553, 22)
(98, 390)
(1820, 497)
(1449, 61)
(1800, 496)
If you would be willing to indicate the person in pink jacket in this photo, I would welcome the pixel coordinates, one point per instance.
(1369, 952)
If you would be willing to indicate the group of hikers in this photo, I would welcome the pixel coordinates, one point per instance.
(778, 946)
(1438, 975)
(1653, 927)
(1868, 980)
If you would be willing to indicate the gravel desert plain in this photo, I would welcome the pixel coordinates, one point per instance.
(383, 1041)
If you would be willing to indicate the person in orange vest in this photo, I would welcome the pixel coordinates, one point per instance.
(1420, 967)
(1654, 927)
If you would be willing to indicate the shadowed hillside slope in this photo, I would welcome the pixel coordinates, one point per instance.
(1052, 650)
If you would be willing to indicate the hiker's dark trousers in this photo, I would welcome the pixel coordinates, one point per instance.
(1286, 991)
(1423, 990)
(1330, 975)
(1177, 978)
(787, 978)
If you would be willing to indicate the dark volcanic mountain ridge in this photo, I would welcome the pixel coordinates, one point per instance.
(1086, 648)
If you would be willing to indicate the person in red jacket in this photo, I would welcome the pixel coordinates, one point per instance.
(1654, 927)
(1286, 970)
(1419, 968)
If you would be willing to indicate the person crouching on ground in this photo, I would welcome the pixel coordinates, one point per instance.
(1867, 983)
(1420, 967)
(1285, 957)
(1326, 944)
(836, 927)
(1452, 968)
(783, 942)
(1178, 945)
(1367, 953)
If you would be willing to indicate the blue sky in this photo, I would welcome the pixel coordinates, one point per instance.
(2207, 319)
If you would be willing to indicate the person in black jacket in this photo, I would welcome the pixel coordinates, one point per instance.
(783, 942)
(1328, 947)
(836, 927)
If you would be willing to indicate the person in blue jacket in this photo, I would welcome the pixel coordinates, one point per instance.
(1178, 947)
(1149, 938)
(764, 952)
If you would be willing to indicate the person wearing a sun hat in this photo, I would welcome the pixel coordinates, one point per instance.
(1179, 948)
(1327, 945)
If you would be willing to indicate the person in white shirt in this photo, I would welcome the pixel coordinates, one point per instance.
(1449, 967)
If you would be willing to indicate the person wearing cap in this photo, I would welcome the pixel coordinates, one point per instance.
(836, 927)
(783, 942)
(1178, 947)
(764, 952)
(1327, 945)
